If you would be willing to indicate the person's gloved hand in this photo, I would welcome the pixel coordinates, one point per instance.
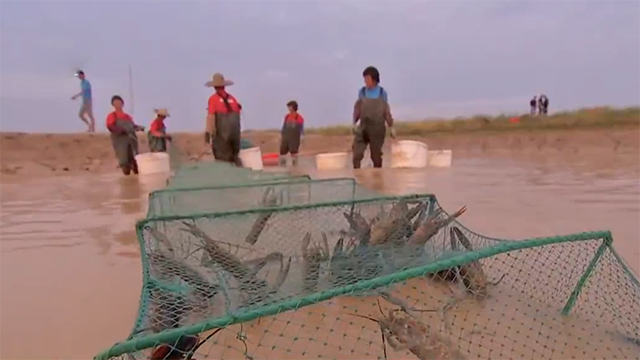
(392, 132)
(207, 138)
(168, 137)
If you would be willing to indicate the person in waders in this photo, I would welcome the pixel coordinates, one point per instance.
(292, 130)
(370, 114)
(123, 136)
(543, 105)
(157, 135)
(533, 103)
(223, 130)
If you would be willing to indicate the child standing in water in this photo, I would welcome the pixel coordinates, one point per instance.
(123, 136)
(157, 135)
(292, 130)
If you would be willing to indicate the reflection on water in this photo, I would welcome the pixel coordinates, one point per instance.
(130, 193)
(70, 257)
(70, 265)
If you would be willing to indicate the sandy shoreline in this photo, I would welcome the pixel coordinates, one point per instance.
(36, 155)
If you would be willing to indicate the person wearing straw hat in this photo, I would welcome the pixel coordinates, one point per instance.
(370, 113)
(123, 136)
(223, 129)
(157, 135)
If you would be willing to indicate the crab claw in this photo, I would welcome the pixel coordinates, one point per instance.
(266, 194)
(462, 238)
(282, 275)
(306, 240)
(461, 211)
(193, 229)
(269, 198)
(325, 244)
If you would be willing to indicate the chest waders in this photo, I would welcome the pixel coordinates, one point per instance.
(290, 142)
(226, 142)
(371, 131)
(125, 146)
(157, 143)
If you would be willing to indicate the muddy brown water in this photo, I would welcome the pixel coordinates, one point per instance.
(71, 274)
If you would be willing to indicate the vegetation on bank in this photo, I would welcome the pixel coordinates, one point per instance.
(602, 117)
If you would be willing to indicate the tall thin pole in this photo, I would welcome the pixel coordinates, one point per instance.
(131, 89)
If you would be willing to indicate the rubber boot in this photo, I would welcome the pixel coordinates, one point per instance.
(126, 169)
(283, 160)
(294, 160)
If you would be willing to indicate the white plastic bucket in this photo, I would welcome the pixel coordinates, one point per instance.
(251, 158)
(409, 154)
(153, 163)
(440, 158)
(332, 161)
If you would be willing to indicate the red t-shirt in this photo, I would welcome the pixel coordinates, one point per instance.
(217, 105)
(111, 119)
(157, 127)
(297, 118)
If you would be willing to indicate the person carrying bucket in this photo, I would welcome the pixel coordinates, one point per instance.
(370, 114)
(123, 136)
(292, 130)
(157, 135)
(223, 130)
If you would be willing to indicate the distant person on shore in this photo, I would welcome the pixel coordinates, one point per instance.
(543, 105)
(370, 113)
(534, 105)
(223, 129)
(87, 104)
(123, 136)
(157, 135)
(292, 130)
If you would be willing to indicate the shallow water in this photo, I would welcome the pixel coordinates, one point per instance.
(71, 274)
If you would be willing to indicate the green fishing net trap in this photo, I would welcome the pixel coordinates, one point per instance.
(370, 278)
(198, 178)
(213, 173)
(300, 190)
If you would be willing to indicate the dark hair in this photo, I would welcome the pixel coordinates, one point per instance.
(372, 72)
(80, 72)
(116, 97)
(293, 104)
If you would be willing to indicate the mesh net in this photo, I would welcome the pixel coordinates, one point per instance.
(389, 277)
(207, 177)
(279, 192)
(211, 173)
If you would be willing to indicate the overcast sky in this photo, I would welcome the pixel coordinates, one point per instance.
(436, 58)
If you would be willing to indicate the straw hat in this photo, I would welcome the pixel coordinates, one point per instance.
(218, 80)
(162, 112)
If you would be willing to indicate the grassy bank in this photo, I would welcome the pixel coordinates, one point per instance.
(603, 117)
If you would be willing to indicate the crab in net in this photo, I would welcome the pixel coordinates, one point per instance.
(404, 331)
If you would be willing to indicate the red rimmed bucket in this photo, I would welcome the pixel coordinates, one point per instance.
(270, 159)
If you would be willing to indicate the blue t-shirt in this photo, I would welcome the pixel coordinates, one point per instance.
(373, 93)
(86, 89)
